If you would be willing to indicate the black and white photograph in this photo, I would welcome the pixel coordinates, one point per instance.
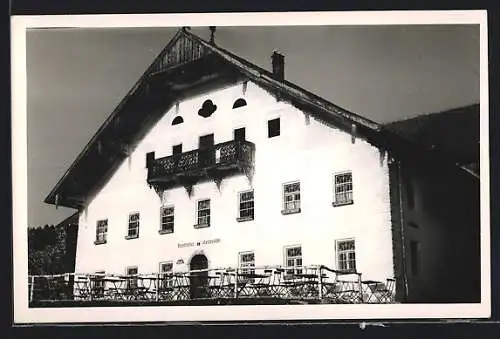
(250, 167)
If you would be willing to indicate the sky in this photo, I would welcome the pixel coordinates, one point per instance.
(76, 77)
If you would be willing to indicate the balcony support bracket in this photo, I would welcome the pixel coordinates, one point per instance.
(249, 172)
(213, 175)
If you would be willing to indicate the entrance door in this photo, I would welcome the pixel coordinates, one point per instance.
(206, 151)
(239, 134)
(199, 280)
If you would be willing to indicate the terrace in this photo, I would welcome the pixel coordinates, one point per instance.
(260, 285)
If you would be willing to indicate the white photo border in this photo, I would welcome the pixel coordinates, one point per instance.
(23, 314)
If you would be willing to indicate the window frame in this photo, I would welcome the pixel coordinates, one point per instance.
(415, 254)
(269, 136)
(247, 269)
(203, 225)
(409, 189)
(348, 260)
(99, 284)
(297, 209)
(342, 202)
(167, 277)
(104, 239)
(241, 218)
(128, 236)
(295, 269)
(163, 230)
(132, 280)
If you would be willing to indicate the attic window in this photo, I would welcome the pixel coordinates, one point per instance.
(177, 120)
(207, 109)
(239, 103)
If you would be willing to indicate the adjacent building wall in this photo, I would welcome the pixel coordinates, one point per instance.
(445, 222)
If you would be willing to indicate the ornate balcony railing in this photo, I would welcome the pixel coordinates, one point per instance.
(215, 162)
(315, 284)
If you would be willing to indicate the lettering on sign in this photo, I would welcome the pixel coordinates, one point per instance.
(207, 242)
(198, 243)
(185, 244)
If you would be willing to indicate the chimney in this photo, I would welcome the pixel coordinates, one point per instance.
(278, 65)
(212, 34)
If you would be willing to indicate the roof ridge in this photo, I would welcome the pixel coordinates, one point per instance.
(257, 70)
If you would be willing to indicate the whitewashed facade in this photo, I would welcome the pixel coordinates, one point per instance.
(306, 151)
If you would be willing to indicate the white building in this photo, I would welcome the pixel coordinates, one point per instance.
(211, 161)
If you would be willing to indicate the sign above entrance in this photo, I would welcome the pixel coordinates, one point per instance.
(198, 243)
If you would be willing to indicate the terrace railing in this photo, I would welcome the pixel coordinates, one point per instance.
(315, 284)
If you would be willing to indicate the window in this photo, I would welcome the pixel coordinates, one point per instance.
(414, 257)
(132, 277)
(239, 103)
(293, 260)
(166, 274)
(410, 193)
(101, 232)
(246, 264)
(177, 120)
(177, 149)
(203, 213)
(246, 206)
(346, 256)
(99, 284)
(291, 198)
(343, 189)
(133, 226)
(273, 128)
(239, 134)
(167, 219)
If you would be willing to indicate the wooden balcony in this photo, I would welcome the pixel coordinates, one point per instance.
(214, 163)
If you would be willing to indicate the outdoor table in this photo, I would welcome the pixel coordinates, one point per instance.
(372, 291)
(215, 289)
(149, 284)
(117, 290)
(82, 288)
(181, 287)
(259, 288)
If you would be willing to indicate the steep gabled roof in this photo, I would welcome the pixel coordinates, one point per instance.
(189, 58)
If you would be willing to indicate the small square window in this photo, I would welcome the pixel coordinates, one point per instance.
(101, 232)
(203, 213)
(166, 274)
(99, 284)
(273, 128)
(247, 265)
(414, 257)
(132, 277)
(133, 226)
(246, 206)
(346, 255)
(343, 189)
(293, 260)
(410, 193)
(166, 219)
(291, 198)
